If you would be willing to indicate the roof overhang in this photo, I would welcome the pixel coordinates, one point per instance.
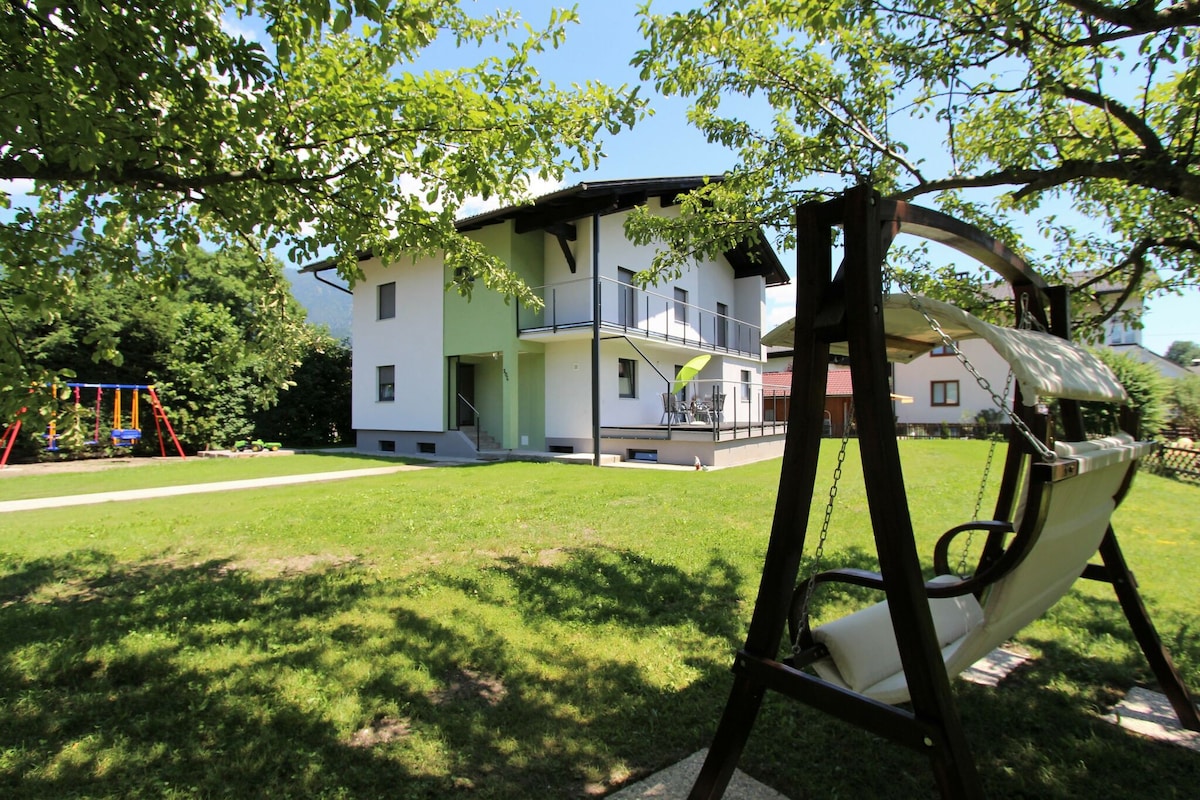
(552, 212)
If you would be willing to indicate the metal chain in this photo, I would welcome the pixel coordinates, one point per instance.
(987, 471)
(819, 552)
(1045, 452)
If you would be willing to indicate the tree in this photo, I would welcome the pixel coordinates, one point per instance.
(1184, 397)
(998, 112)
(1147, 391)
(216, 348)
(1183, 353)
(315, 410)
(131, 131)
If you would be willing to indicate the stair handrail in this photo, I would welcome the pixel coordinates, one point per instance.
(474, 411)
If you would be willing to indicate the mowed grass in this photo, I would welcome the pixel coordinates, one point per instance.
(514, 631)
(20, 482)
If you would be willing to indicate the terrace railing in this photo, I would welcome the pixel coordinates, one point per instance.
(631, 310)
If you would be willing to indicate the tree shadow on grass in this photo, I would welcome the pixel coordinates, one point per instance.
(1038, 735)
(153, 678)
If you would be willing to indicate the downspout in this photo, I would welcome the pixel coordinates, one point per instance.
(596, 340)
(317, 275)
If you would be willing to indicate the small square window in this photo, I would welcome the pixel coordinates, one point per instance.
(387, 300)
(627, 377)
(387, 383)
(943, 393)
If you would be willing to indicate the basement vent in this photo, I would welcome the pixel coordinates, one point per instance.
(561, 448)
(387, 445)
(644, 455)
(426, 447)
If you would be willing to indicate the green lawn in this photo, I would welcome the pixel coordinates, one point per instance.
(511, 631)
(21, 484)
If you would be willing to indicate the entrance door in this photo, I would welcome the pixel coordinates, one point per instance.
(465, 379)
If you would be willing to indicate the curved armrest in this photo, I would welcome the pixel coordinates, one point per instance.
(942, 549)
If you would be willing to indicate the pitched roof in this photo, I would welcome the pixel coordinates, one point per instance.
(606, 197)
(777, 380)
(837, 383)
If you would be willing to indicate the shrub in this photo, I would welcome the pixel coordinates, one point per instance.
(1147, 392)
(1183, 395)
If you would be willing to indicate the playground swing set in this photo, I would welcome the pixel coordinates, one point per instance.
(119, 435)
(887, 668)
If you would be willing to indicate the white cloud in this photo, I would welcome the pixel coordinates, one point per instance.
(781, 306)
(534, 187)
(17, 187)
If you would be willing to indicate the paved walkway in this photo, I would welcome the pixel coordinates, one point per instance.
(196, 488)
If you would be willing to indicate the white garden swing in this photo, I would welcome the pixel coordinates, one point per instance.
(886, 668)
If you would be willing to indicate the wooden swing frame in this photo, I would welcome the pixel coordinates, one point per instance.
(847, 307)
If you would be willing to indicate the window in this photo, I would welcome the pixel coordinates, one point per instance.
(943, 393)
(626, 299)
(1121, 333)
(683, 390)
(746, 384)
(722, 325)
(387, 300)
(942, 350)
(681, 306)
(387, 383)
(627, 377)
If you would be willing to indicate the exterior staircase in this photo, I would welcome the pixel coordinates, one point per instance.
(486, 442)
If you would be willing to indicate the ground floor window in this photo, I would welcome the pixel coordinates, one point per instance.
(943, 393)
(627, 377)
(386, 377)
(746, 385)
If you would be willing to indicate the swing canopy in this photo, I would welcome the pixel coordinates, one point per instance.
(1045, 366)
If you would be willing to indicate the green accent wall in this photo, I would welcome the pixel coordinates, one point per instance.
(486, 324)
(533, 401)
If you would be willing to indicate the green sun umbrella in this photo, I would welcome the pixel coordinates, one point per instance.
(687, 372)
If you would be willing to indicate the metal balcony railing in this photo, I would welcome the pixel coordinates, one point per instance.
(636, 311)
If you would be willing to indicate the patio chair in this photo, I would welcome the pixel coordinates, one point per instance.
(673, 410)
(717, 406)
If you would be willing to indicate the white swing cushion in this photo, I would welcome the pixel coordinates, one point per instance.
(864, 656)
(863, 650)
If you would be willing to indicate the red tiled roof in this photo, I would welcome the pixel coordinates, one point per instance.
(836, 385)
(777, 380)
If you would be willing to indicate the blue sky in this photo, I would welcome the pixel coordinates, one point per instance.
(600, 48)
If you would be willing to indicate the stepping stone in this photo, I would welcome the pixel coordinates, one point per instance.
(675, 782)
(994, 667)
(1150, 714)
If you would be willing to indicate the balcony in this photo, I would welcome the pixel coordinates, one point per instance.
(632, 311)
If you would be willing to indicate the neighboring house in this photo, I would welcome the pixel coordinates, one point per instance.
(435, 373)
(777, 395)
(943, 390)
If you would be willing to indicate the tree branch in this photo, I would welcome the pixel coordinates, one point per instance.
(1142, 17)
(1136, 125)
(1158, 174)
